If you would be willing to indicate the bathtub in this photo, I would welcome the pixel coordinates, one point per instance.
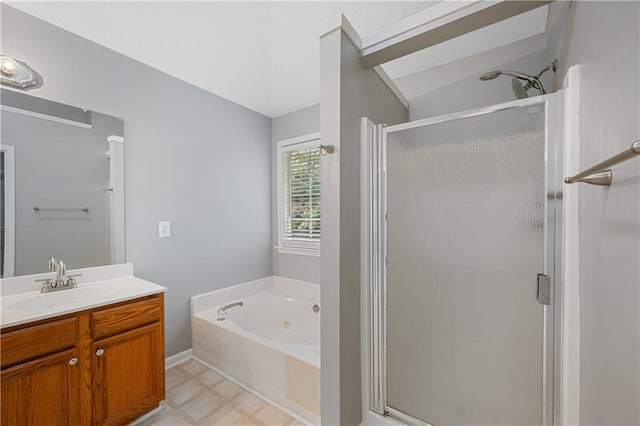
(270, 344)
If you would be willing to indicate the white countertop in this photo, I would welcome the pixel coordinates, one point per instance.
(31, 306)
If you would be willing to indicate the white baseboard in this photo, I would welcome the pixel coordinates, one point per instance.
(176, 359)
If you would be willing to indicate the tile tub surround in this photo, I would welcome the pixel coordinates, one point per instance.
(270, 345)
(117, 281)
(197, 395)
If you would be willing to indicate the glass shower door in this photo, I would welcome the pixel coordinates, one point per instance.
(465, 240)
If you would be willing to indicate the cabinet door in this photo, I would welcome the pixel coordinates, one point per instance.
(128, 374)
(42, 392)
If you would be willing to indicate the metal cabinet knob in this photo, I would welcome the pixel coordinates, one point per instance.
(73, 361)
(99, 352)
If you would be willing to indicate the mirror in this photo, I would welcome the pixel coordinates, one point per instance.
(61, 186)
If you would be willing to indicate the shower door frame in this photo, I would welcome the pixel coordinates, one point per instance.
(374, 273)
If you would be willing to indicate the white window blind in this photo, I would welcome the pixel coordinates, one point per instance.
(300, 195)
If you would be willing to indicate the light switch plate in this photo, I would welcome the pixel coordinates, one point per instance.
(164, 229)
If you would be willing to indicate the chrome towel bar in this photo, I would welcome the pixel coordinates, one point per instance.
(601, 173)
(40, 209)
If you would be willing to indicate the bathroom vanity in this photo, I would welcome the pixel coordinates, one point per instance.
(97, 359)
(80, 347)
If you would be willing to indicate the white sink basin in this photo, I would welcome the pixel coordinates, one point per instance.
(62, 298)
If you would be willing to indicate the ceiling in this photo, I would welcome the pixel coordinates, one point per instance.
(263, 55)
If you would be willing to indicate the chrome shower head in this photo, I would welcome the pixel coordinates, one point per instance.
(519, 89)
(490, 75)
(493, 74)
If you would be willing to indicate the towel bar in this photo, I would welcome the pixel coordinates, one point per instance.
(601, 174)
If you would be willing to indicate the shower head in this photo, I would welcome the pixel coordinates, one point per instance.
(519, 89)
(490, 75)
(493, 74)
(517, 83)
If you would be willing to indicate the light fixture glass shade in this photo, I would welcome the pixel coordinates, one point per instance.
(17, 74)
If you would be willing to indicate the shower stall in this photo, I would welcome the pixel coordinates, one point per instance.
(461, 265)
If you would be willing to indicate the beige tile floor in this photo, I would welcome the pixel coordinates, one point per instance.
(197, 395)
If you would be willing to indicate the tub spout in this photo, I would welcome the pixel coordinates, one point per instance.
(222, 312)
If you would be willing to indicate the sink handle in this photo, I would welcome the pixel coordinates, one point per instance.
(71, 282)
(47, 283)
(52, 263)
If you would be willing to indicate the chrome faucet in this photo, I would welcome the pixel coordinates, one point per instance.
(60, 269)
(62, 281)
(222, 312)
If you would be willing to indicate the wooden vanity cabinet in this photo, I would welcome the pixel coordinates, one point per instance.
(128, 371)
(103, 366)
(40, 376)
(45, 391)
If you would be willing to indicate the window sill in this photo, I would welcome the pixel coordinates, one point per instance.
(298, 251)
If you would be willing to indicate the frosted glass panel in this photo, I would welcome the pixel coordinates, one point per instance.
(465, 202)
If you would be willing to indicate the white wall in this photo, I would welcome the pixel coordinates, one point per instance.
(348, 93)
(297, 123)
(603, 36)
(191, 157)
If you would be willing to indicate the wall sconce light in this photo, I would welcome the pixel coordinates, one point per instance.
(18, 74)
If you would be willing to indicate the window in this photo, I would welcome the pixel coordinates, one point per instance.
(299, 195)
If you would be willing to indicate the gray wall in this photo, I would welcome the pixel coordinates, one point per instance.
(60, 166)
(297, 123)
(191, 157)
(348, 93)
(604, 38)
(472, 93)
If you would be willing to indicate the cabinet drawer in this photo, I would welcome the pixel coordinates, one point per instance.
(31, 342)
(108, 322)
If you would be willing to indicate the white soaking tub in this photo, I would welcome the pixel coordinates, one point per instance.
(270, 344)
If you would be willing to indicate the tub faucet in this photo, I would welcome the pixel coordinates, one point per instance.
(222, 312)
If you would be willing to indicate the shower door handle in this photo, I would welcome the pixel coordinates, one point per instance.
(544, 289)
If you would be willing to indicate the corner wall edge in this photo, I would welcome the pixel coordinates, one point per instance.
(340, 22)
(391, 85)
